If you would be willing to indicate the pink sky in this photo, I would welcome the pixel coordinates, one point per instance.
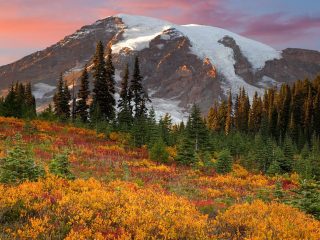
(30, 25)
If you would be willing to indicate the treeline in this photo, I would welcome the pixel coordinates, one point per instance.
(290, 111)
(19, 102)
(97, 109)
(277, 133)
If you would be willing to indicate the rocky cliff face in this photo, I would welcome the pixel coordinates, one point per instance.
(182, 65)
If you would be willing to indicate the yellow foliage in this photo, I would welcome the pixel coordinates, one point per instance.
(92, 210)
(260, 221)
(114, 136)
(172, 151)
(239, 171)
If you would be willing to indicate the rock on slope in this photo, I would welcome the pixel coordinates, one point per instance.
(182, 64)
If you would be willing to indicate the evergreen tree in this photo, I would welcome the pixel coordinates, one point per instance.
(65, 105)
(212, 118)
(48, 114)
(102, 107)
(165, 124)
(288, 151)
(316, 113)
(124, 103)
(10, 104)
(197, 130)
(186, 154)
(30, 102)
(158, 152)
(224, 162)
(153, 129)
(308, 113)
(60, 166)
(284, 110)
(255, 114)
(138, 95)
(274, 168)
(19, 165)
(228, 124)
(82, 106)
(20, 100)
(58, 98)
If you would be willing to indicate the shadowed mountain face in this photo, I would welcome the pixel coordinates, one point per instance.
(182, 65)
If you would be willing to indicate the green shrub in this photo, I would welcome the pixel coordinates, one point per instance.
(224, 162)
(19, 165)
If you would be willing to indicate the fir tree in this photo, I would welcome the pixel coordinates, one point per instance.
(60, 166)
(224, 162)
(186, 154)
(19, 165)
(213, 122)
(137, 94)
(82, 106)
(102, 107)
(316, 113)
(255, 114)
(124, 103)
(165, 124)
(58, 98)
(158, 152)
(228, 124)
(153, 128)
(30, 102)
(197, 130)
(10, 104)
(65, 106)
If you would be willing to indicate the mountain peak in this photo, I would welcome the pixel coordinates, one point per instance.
(181, 64)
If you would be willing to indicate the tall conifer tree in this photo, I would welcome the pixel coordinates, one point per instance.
(82, 106)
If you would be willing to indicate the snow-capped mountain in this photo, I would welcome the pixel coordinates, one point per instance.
(182, 64)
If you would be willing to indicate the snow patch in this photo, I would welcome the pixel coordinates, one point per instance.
(268, 82)
(41, 89)
(160, 46)
(139, 32)
(205, 44)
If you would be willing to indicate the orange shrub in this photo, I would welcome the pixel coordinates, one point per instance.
(88, 209)
(260, 221)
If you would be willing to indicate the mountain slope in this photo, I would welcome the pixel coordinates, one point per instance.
(182, 64)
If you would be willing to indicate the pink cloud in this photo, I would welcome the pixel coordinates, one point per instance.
(40, 23)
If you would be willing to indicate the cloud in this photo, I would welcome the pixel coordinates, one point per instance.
(40, 23)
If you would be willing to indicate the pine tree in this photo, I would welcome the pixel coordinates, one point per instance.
(308, 113)
(284, 110)
(20, 100)
(110, 72)
(19, 165)
(153, 128)
(10, 103)
(212, 118)
(82, 106)
(60, 166)
(228, 124)
(316, 113)
(124, 103)
(222, 115)
(186, 154)
(197, 130)
(102, 107)
(65, 106)
(30, 102)
(255, 114)
(137, 94)
(158, 152)
(288, 151)
(224, 162)
(58, 98)
(165, 125)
